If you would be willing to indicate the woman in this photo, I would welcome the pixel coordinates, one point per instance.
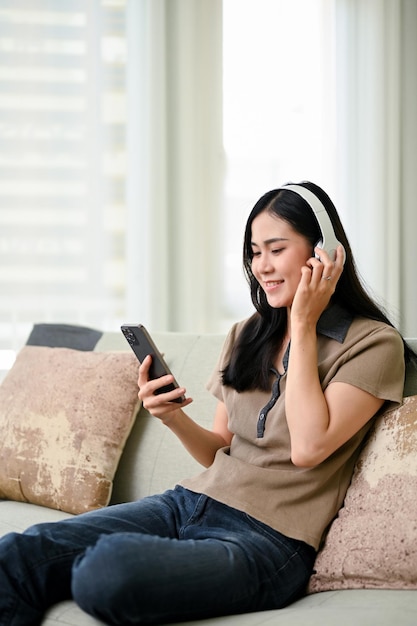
(298, 386)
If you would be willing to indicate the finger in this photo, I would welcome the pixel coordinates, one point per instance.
(159, 404)
(306, 276)
(320, 270)
(335, 269)
(314, 264)
(324, 257)
(327, 263)
(173, 396)
(340, 256)
(153, 385)
(144, 370)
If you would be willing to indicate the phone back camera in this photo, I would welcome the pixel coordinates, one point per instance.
(130, 337)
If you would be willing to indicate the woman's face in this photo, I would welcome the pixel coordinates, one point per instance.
(279, 252)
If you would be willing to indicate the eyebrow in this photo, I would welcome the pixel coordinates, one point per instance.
(269, 241)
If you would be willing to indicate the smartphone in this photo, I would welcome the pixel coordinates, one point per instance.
(142, 344)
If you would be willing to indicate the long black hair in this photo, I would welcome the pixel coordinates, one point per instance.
(263, 334)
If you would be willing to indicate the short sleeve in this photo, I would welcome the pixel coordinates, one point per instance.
(375, 363)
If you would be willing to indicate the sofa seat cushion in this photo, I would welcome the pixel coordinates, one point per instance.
(341, 608)
(17, 516)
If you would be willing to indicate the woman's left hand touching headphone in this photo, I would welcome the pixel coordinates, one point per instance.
(319, 278)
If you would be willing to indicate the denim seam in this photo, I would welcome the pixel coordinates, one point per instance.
(195, 515)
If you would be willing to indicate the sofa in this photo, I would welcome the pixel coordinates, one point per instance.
(366, 572)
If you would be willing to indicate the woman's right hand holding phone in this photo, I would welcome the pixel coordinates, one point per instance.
(200, 442)
(160, 405)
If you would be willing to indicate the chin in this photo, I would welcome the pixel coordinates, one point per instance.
(278, 304)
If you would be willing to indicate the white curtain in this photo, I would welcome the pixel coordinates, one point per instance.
(175, 162)
(376, 52)
(175, 194)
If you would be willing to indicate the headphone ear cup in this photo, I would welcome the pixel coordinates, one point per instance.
(332, 253)
(328, 241)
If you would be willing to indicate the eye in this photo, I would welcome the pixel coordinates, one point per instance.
(254, 254)
(277, 250)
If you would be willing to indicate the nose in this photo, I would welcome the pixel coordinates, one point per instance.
(265, 264)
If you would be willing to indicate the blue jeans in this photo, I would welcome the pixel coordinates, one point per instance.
(166, 558)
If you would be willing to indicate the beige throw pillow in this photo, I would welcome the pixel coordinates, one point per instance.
(373, 542)
(64, 418)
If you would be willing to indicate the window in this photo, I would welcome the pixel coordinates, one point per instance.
(62, 164)
(63, 136)
(278, 113)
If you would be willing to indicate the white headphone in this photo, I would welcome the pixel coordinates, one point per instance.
(328, 240)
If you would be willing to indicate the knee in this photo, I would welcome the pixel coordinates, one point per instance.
(95, 584)
(118, 580)
(87, 580)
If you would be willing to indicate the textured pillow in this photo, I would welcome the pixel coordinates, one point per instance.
(64, 418)
(373, 541)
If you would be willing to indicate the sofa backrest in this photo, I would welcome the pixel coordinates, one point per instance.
(153, 459)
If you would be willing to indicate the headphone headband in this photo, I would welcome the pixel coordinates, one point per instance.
(328, 239)
(311, 198)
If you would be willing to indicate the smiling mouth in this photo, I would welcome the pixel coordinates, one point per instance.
(273, 283)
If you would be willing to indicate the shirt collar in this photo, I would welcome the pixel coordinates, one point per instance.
(335, 322)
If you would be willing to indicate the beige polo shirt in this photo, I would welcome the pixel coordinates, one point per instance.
(255, 474)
